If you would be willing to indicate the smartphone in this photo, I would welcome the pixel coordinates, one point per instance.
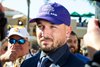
(97, 11)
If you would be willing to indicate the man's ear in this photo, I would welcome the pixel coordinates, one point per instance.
(69, 30)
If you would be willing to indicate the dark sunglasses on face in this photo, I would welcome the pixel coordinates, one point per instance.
(19, 41)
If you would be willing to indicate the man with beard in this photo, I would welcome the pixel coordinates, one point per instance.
(52, 29)
(74, 47)
(73, 43)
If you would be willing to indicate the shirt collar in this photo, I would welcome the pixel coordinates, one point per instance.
(43, 54)
(56, 55)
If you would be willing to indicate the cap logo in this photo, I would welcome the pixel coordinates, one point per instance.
(48, 9)
(54, 13)
(16, 30)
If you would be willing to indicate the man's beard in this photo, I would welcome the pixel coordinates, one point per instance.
(52, 49)
(73, 50)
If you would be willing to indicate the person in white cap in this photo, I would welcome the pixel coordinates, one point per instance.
(18, 45)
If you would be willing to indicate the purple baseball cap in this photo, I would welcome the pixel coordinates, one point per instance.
(54, 13)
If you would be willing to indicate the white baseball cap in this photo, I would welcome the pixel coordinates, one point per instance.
(22, 32)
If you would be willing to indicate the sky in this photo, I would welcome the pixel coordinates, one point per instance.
(80, 6)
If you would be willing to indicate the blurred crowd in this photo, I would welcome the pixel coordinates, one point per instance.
(17, 47)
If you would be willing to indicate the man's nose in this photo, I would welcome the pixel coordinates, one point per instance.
(46, 32)
(15, 45)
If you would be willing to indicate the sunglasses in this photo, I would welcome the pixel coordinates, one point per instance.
(19, 41)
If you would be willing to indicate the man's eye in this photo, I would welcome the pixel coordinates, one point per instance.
(69, 41)
(53, 27)
(40, 26)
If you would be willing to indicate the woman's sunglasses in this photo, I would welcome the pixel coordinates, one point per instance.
(19, 41)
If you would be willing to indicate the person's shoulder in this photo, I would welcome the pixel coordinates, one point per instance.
(74, 61)
(95, 61)
(0, 64)
(92, 64)
(31, 61)
(83, 58)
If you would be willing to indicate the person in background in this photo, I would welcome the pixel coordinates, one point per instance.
(52, 29)
(74, 47)
(0, 44)
(3, 46)
(73, 43)
(35, 47)
(92, 41)
(3, 22)
(18, 48)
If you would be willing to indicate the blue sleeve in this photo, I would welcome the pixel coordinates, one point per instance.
(0, 64)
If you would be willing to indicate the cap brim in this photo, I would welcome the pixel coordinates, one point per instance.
(15, 34)
(48, 18)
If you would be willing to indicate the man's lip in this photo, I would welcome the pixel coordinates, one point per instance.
(72, 48)
(45, 39)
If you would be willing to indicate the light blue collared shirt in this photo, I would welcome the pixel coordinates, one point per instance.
(54, 56)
